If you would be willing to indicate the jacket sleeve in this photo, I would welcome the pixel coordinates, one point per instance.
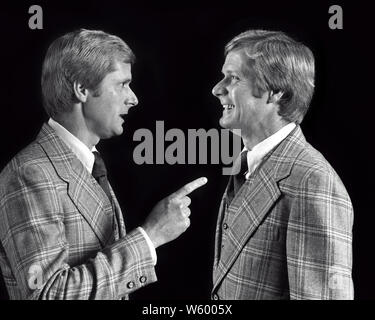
(319, 239)
(32, 235)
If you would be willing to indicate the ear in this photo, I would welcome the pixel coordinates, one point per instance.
(274, 97)
(80, 92)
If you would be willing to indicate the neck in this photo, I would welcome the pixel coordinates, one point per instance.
(254, 136)
(76, 125)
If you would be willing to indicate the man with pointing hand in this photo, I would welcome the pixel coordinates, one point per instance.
(62, 234)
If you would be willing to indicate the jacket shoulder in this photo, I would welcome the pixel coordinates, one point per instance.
(311, 162)
(311, 171)
(32, 156)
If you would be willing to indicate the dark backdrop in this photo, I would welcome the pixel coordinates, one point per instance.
(179, 51)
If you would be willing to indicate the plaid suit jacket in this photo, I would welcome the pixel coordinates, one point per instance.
(56, 230)
(287, 234)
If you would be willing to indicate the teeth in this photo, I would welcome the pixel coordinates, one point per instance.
(228, 106)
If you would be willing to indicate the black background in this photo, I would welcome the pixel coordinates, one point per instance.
(179, 49)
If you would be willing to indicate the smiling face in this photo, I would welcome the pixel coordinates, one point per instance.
(242, 110)
(104, 113)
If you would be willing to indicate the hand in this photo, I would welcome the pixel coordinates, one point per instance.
(170, 217)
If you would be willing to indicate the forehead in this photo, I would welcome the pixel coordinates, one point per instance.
(235, 61)
(122, 71)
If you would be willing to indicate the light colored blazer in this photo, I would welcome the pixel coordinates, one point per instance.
(287, 234)
(59, 236)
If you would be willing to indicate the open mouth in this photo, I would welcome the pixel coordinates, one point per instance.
(228, 106)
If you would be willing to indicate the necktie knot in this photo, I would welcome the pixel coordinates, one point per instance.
(99, 169)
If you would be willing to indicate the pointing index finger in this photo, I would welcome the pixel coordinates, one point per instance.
(190, 187)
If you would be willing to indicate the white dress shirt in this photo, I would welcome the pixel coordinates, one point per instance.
(87, 158)
(259, 151)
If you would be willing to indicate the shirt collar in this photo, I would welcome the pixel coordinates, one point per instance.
(79, 149)
(259, 151)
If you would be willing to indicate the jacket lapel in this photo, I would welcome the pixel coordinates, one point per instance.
(86, 194)
(247, 210)
(253, 202)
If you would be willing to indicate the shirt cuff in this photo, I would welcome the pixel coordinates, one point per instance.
(150, 245)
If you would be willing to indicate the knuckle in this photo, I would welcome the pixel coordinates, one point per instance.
(182, 213)
(171, 202)
(187, 188)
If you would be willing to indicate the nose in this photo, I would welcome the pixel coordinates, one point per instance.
(219, 89)
(132, 99)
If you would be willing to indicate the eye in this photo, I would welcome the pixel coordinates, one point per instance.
(234, 78)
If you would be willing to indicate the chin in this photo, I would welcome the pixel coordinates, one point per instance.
(119, 132)
(113, 133)
(230, 125)
(226, 124)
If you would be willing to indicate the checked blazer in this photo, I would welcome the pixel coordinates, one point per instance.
(60, 237)
(287, 234)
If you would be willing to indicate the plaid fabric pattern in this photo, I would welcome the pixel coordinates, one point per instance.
(287, 234)
(56, 220)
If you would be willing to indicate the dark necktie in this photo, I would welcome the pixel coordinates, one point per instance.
(238, 179)
(99, 172)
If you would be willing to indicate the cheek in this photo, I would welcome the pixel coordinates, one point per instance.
(238, 95)
(111, 102)
(240, 101)
(112, 95)
(119, 97)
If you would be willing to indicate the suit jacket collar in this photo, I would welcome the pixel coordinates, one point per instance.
(253, 201)
(84, 191)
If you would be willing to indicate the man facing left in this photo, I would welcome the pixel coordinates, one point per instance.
(62, 234)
